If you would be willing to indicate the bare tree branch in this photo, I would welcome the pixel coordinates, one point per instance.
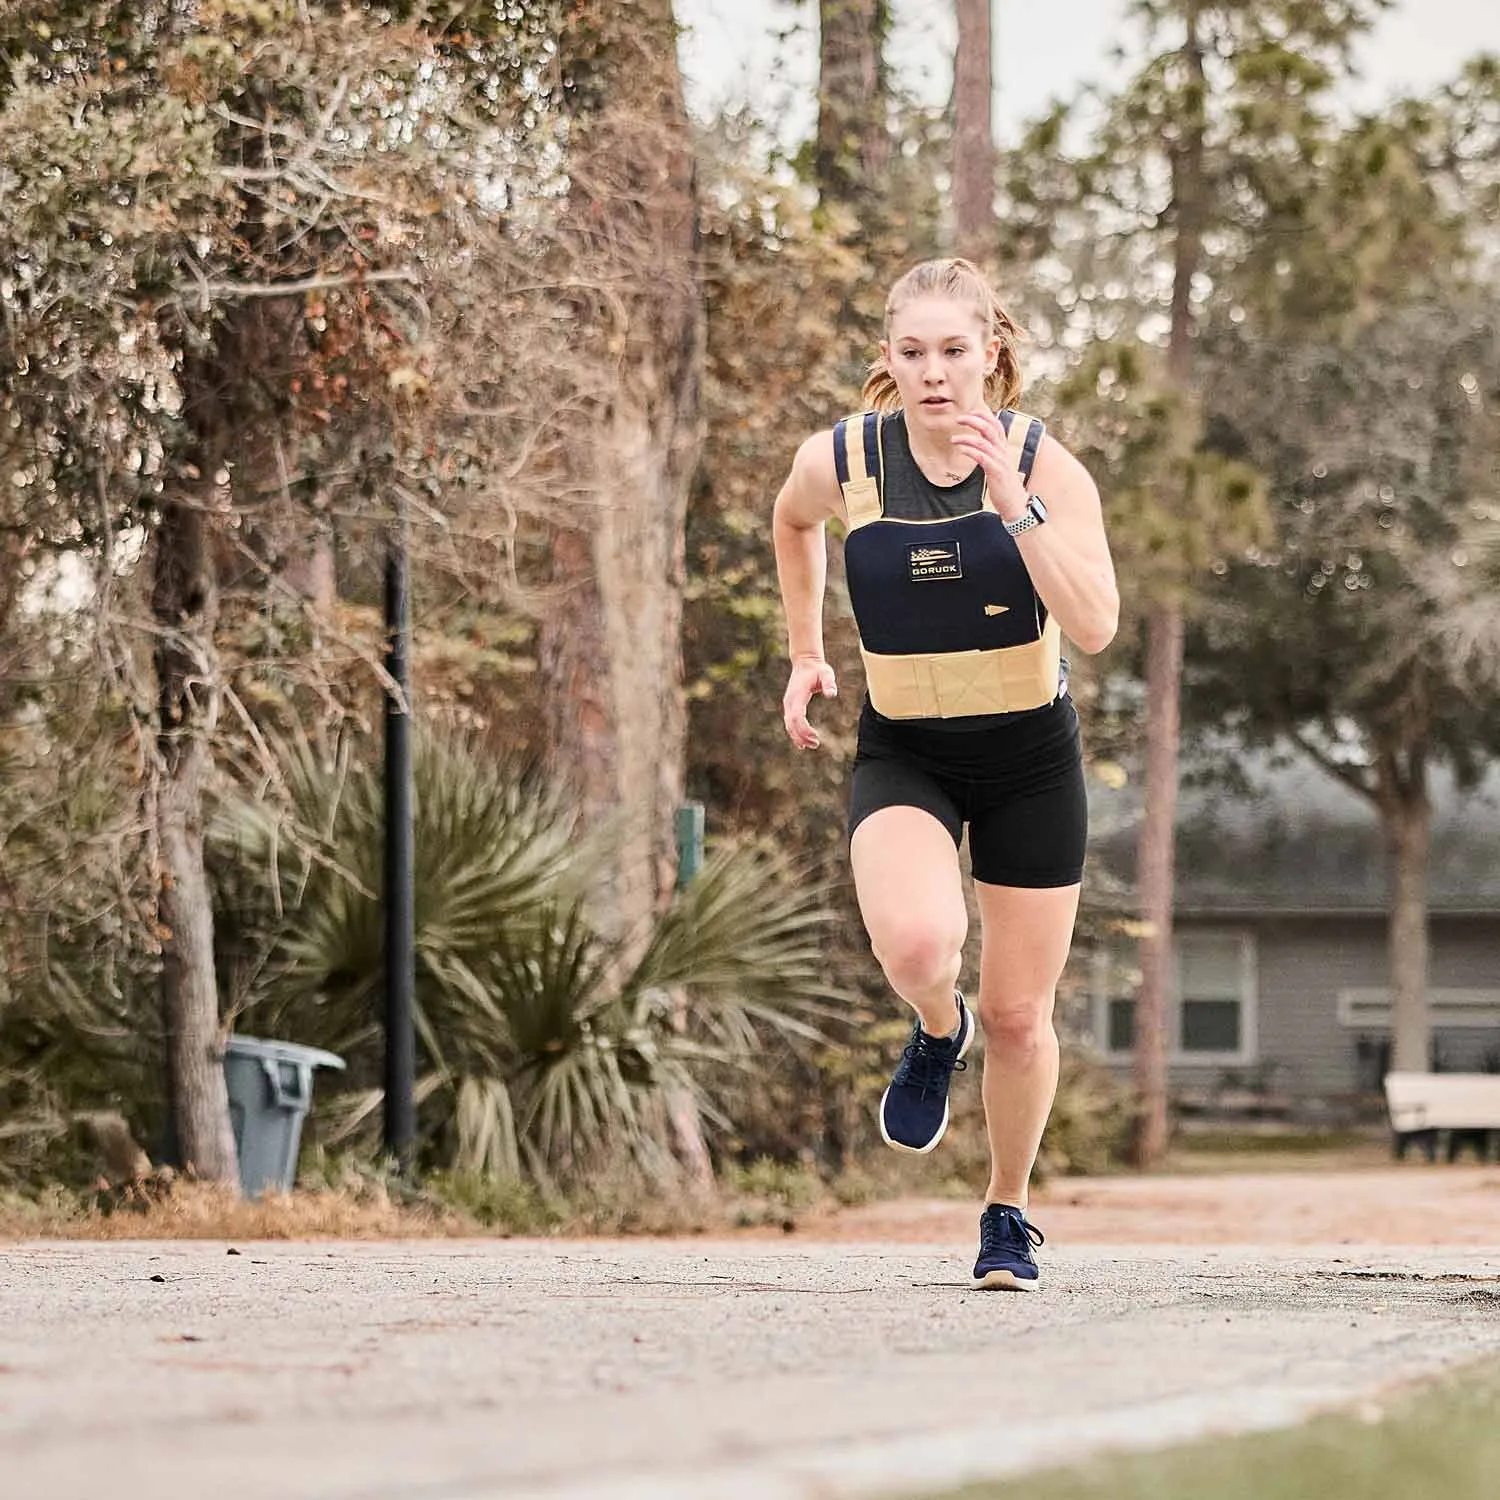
(1351, 776)
(231, 289)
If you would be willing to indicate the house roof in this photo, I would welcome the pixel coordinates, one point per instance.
(1280, 834)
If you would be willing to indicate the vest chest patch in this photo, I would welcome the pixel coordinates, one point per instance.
(929, 562)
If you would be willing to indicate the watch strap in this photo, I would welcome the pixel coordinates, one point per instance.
(1026, 521)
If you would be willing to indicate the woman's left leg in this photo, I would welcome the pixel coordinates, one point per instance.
(1026, 937)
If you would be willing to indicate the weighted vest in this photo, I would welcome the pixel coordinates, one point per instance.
(949, 622)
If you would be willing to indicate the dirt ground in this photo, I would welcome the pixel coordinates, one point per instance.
(768, 1363)
(1256, 1198)
(688, 1369)
(1409, 1203)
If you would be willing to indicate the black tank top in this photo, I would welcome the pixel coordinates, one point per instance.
(908, 494)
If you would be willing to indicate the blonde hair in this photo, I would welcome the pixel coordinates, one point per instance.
(962, 281)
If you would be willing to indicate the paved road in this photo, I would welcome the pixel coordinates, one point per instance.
(621, 1371)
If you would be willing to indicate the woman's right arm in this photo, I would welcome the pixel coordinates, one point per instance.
(807, 500)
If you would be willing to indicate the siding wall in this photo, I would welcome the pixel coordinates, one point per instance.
(1302, 963)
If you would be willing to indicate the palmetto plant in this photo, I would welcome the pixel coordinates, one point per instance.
(544, 1049)
(79, 1010)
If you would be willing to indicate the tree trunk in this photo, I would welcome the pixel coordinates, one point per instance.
(610, 656)
(853, 145)
(1406, 813)
(282, 548)
(185, 603)
(14, 545)
(1155, 864)
(312, 575)
(610, 647)
(973, 132)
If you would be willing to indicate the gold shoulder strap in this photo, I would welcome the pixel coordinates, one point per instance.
(861, 488)
(1022, 449)
(1023, 438)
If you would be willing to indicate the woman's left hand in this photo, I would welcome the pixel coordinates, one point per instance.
(982, 438)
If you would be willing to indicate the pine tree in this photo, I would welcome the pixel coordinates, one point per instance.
(1200, 160)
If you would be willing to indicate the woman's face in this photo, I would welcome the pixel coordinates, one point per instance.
(939, 356)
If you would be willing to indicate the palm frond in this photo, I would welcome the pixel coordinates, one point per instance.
(484, 1123)
(536, 1058)
(745, 939)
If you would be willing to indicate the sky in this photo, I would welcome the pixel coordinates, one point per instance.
(731, 52)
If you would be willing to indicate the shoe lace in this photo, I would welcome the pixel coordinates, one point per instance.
(927, 1061)
(1004, 1228)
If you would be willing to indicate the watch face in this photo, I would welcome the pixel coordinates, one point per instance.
(1038, 508)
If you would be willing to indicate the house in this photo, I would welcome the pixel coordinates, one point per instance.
(1281, 931)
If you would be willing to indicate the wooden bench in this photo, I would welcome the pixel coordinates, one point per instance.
(1465, 1107)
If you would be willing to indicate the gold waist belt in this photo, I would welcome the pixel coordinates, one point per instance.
(953, 684)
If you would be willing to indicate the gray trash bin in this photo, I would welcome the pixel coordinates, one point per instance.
(270, 1092)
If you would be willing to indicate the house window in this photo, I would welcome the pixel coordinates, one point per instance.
(1211, 975)
(1213, 1001)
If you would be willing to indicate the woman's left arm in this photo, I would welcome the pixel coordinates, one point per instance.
(1068, 555)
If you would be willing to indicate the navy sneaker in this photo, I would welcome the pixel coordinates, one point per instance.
(914, 1108)
(1006, 1241)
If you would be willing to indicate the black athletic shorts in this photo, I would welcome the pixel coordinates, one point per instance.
(1017, 783)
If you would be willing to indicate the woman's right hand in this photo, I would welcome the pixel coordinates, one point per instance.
(810, 675)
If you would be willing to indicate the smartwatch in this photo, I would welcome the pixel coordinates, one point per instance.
(1034, 514)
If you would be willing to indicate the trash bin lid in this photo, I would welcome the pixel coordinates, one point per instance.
(251, 1046)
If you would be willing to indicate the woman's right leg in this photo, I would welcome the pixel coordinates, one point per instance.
(911, 897)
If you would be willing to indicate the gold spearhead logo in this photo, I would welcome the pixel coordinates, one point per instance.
(996, 609)
(930, 554)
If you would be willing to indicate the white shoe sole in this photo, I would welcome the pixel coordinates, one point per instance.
(1003, 1281)
(943, 1128)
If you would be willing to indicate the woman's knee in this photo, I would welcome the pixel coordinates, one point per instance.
(1016, 1023)
(919, 957)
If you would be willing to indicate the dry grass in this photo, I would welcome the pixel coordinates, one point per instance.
(346, 1200)
(369, 1207)
(206, 1211)
(1206, 1150)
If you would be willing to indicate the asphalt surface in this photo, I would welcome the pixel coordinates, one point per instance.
(626, 1370)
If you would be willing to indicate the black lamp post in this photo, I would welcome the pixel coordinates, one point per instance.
(400, 860)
